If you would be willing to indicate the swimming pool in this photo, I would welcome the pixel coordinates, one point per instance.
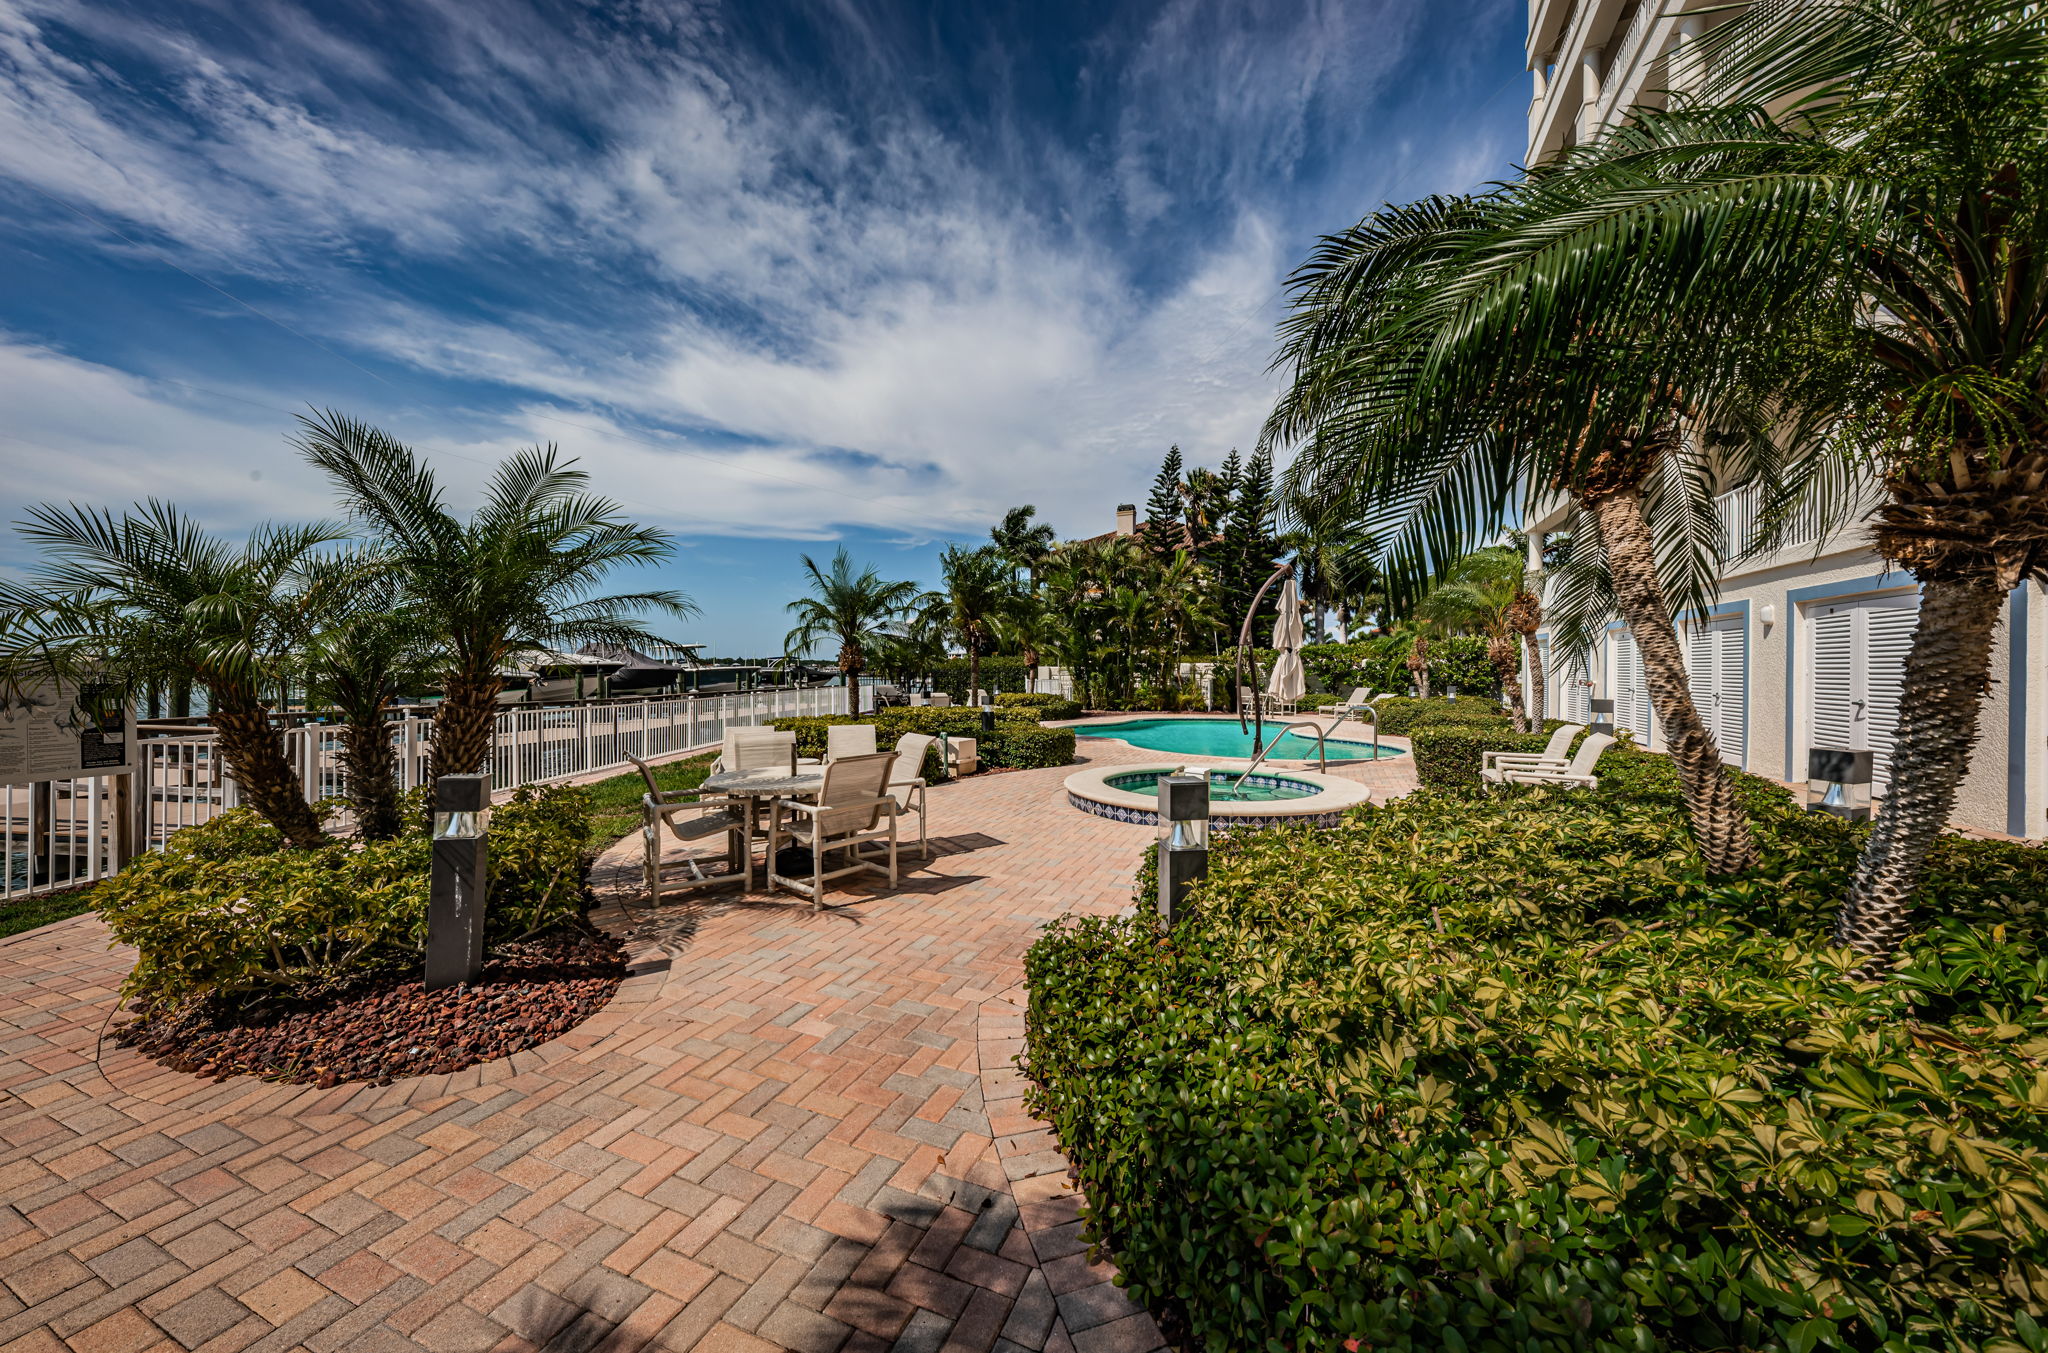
(1222, 737)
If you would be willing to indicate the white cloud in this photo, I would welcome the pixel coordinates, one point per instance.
(843, 320)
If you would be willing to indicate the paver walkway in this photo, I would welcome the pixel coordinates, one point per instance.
(790, 1131)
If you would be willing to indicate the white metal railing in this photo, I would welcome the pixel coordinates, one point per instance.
(66, 832)
(1738, 510)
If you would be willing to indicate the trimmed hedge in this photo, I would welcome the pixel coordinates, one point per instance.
(1511, 1073)
(1451, 755)
(1045, 706)
(225, 908)
(1019, 741)
(1400, 713)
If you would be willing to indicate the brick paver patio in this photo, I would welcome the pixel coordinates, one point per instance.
(790, 1131)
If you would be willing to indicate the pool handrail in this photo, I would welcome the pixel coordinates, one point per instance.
(1322, 752)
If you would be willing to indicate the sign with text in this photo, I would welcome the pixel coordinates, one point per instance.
(60, 732)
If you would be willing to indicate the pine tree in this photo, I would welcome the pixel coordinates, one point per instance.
(1249, 545)
(1164, 531)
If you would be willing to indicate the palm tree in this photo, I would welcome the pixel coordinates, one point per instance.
(370, 644)
(1023, 542)
(518, 574)
(976, 598)
(1862, 184)
(1484, 592)
(1184, 602)
(1429, 416)
(858, 611)
(149, 596)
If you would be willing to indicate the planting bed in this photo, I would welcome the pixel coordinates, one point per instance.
(381, 1027)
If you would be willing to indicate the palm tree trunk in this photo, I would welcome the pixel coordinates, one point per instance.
(850, 668)
(1719, 824)
(973, 670)
(254, 752)
(464, 724)
(1539, 681)
(368, 769)
(1948, 672)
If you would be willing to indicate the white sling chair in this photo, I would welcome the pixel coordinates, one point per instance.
(853, 809)
(1552, 757)
(1577, 774)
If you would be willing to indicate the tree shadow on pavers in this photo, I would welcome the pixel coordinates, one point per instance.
(579, 1319)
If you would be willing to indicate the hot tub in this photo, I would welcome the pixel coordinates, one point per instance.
(1266, 798)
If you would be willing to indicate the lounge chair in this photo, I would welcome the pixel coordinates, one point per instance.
(853, 809)
(756, 749)
(1552, 757)
(907, 784)
(848, 739)
(1352, 704)
(1575, 774)
(691, 816)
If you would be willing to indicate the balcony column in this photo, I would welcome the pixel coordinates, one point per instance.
(1589, 72)
(1685, 65)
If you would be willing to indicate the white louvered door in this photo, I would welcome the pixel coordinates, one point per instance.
(1717, 657)
(1626, 684)
(1858, 669)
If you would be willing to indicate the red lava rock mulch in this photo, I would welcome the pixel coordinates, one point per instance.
(380, 1028)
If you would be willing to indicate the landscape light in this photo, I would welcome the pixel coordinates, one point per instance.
(1838, 782)
(1183, 838)
(460, 880)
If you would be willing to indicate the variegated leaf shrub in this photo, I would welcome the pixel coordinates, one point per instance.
(1511, 1073)
(225, 908)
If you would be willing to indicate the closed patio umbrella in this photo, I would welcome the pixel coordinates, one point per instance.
(1288, 682)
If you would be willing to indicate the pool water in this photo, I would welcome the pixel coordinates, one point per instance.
(1223, 786)
(1222, 737)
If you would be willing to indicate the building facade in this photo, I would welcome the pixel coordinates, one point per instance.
(1806, 646)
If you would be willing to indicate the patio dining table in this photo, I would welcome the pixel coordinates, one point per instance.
(758, 787)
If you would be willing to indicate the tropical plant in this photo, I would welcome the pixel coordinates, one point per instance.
(520, 573)
(1867, 180)
(369, 643)
(861, 612)
(976, 599)
(1022, 541)
(1430, 416)
(1486, 591)
(150, 596)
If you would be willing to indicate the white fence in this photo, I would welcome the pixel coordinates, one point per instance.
(66, 832)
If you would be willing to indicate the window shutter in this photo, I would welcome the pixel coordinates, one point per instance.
(1731, 728)
(1890, 636)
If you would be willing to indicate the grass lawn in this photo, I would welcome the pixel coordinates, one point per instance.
(31, 912)
(615, 803)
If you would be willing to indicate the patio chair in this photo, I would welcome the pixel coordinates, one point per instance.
(1268, 703)
(853, 809)
(1575, 774)
(907, 784)
(1552, 757)
(848, 739)
(756, 749)
(714, 816)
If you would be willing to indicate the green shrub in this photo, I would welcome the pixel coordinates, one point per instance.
(1451, 755)
(1400, 713)
(1510, 1072)
(225, 908)
(1321, 699)
(1019, 742)
(1046, 707)
(997, 674)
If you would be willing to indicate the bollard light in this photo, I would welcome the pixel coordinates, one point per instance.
(1838, 782)
(1183, 838)
(988, 710)
(460, 881)
(1601, 710)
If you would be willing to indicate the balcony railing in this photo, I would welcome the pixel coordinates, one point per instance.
(1738, 510)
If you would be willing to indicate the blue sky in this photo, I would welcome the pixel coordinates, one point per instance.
(782, 275)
